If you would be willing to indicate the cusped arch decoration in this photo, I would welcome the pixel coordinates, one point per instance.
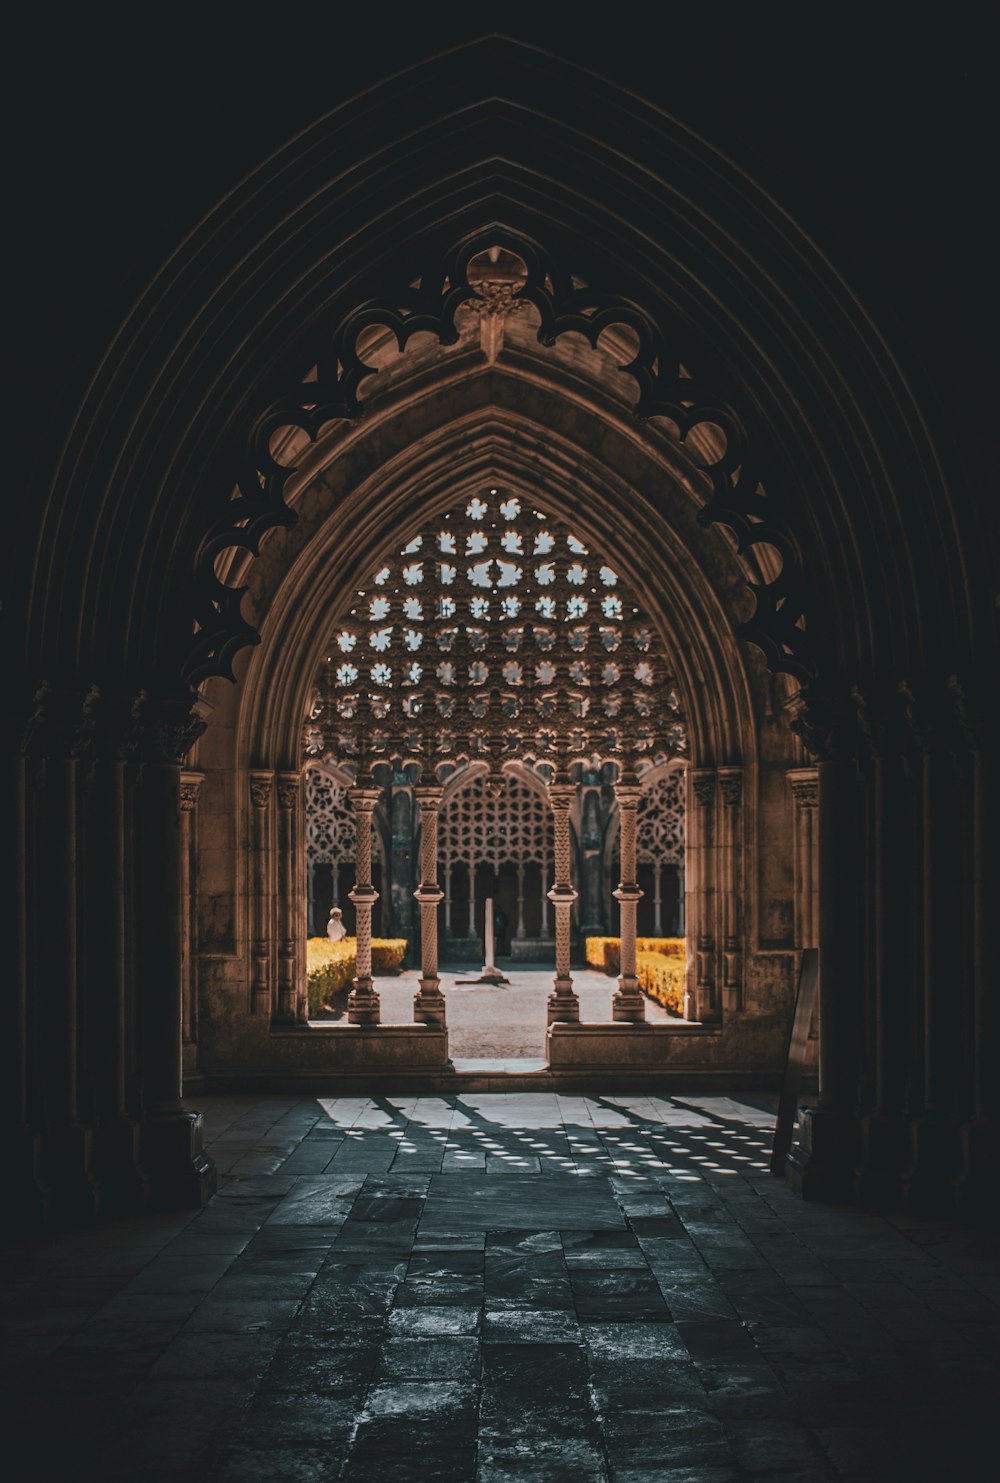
(564, 304)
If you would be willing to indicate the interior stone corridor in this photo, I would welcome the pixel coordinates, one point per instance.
(490, 1288)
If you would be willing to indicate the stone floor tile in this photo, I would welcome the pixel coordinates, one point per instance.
(379, 1308)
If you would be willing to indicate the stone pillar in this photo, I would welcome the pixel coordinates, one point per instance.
(657, 899)
(728, 865)
(700, 1001)
(543, 929)
(521, 931)
(975, 1190)
(180, 1173)
(823, 1165)
(563, 1005)
(627, 1003)
(447, 898)
(292, 1002)
(190, 788)
(804, 783)
(363, 1001)
(429, 1002)
(261, 896)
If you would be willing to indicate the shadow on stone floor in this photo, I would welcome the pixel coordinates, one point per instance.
(501, 1287)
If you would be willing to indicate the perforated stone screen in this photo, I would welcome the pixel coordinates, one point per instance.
(495, 630)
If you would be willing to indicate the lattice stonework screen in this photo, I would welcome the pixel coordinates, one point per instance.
(660, 822)
(495, 634)
(330, 829)
(514, 827)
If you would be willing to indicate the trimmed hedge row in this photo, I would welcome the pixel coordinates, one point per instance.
(663, 978)
(332, 966)
(388, 954)
(605, 952)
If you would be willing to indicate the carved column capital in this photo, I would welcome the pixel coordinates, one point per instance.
(289, 790)
(261, 787)
(827, 725)
(164, 728)
(731, 787)
(703, 787)
(804, 784)
(190, 788)
(364, 800)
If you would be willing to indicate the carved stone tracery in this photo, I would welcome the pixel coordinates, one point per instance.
(430, 304)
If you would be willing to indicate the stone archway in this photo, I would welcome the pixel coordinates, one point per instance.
(242, 311)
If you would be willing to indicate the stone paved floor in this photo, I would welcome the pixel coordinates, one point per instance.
(505, 1022)
(501, 1289)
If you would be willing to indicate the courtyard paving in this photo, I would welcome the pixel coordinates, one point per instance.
(499, 1022)
(501, 1289)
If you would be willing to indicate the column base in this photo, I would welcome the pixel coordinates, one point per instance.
(65, 1166)
(181, 1174)
(935, 1165)
(32, 1195)
(627, 1003)
(363, 1005)
(122, 1184)
(429, 1006)
(821, 1166)
(884, 1156)
(977, 1189)
(563, 1007)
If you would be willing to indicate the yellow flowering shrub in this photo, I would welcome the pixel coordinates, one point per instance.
(605, 952)
(662, 976)
(330, 967)
(388, 954)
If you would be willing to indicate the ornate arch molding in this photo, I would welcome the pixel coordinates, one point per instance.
(564, 304)
(304, 594)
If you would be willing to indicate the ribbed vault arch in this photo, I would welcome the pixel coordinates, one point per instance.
(692, 586)
(496, 131)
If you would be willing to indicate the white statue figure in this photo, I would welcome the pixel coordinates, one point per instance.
(335, 929)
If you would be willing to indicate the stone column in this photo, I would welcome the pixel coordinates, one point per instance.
(627, 1004)
(447, 898)
(363, 1001)
(259, 886)
(428, 1002)
(731, 791)
(180, 1173)
(804, 783)
(700, 1001)
(657, 899)
(563, 1003)
(543, 930)
(292, 999)
(823, 1165)
(190, 788)
(521, 931)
